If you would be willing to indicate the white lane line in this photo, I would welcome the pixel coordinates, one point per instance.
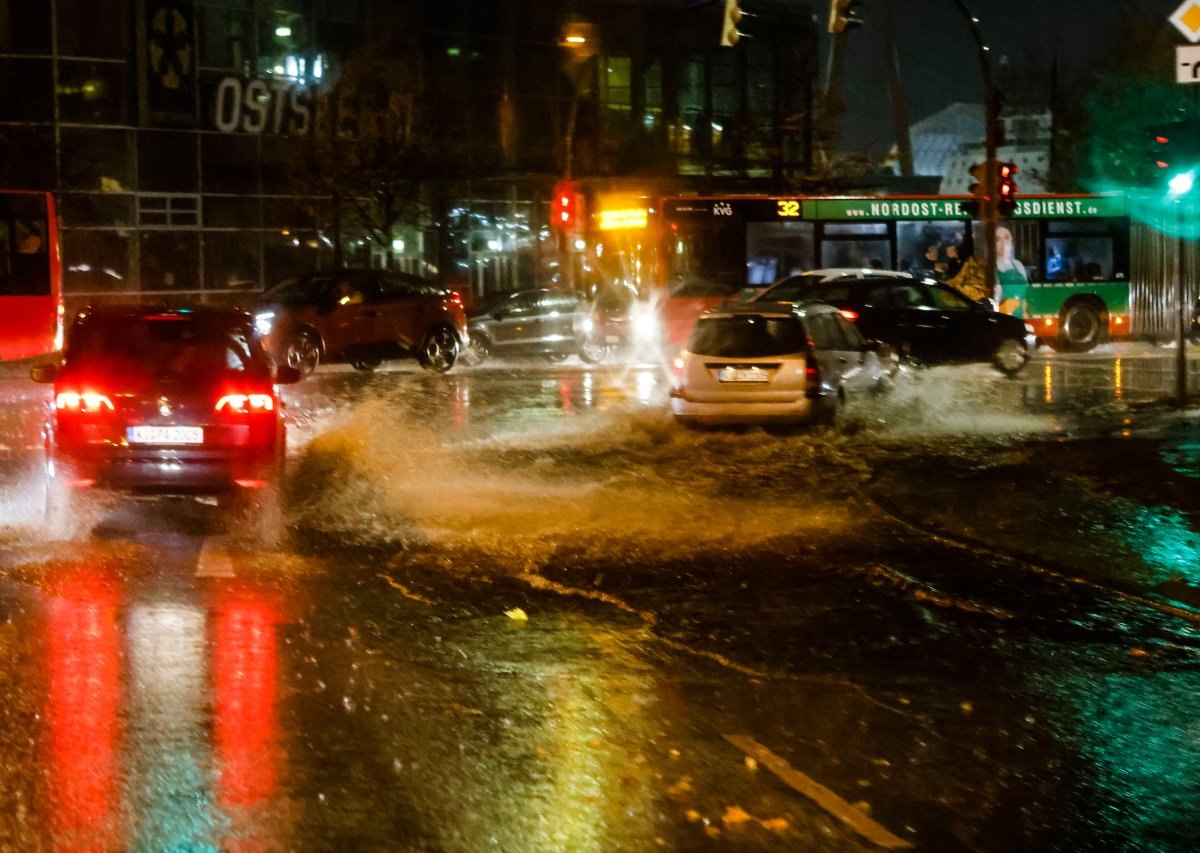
(819, 794)
(214, 560)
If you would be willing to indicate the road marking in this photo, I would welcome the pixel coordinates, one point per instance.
(214, 560)
(819, 794)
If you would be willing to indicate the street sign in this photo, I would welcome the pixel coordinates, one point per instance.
(1187, 64)
(1187, 20)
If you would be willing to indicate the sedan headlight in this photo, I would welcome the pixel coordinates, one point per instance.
(645, 325)
(263, 322)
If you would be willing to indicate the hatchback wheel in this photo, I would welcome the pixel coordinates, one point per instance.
(440, 349)
(303, 352)
(1009, 357)
(477, 351)
(593, 349)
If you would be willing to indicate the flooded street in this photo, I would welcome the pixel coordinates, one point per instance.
(518, 608)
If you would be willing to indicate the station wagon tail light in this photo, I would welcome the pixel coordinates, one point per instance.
(83, 401)
(245, 404)
(812, 377)
(852, 316)
(456, 297)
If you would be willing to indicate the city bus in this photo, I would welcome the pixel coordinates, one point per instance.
(31, 302)
(1072, 265)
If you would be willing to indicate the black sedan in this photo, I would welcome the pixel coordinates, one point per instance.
(924, 320)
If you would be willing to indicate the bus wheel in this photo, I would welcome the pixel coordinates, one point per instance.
(1080, 328)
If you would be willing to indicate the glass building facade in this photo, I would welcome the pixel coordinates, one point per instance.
(170, 130)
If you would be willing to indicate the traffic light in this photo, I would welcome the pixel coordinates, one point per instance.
(843, 15)
(565, 206)
(1175, 146)
(977, 206)
(729, 25)
(1006, 188)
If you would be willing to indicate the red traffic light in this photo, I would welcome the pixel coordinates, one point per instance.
(564, 207)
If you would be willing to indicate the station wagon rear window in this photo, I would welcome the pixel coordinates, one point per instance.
(747, 336)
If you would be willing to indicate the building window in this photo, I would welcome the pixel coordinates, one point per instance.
(96, 261)
(167, 161)
(27, 90)
(169, 260)
(225, 37)
(232, 261)
(90, 28)
(97, 159)
(24, 27)
(93, 92)
(175, 211)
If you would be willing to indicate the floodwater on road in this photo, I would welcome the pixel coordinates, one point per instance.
(522, 609)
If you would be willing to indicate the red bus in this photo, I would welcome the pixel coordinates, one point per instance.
(31, 303)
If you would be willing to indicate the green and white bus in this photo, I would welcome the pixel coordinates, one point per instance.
(1075, 266)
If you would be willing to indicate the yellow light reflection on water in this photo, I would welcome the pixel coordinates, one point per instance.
(1118, 379)
(1048, 382)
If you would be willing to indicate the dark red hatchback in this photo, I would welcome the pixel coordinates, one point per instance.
(164, 401)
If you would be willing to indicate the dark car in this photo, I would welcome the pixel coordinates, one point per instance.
(550, 323)
(922, 319)
(361, 317)
(164, 401)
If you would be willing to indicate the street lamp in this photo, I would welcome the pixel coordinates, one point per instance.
(580, 44)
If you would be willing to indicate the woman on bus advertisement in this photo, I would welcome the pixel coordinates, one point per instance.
(1010, 273)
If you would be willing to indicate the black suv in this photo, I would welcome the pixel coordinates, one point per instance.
(164, 401)
(548, 323)
(922, 319)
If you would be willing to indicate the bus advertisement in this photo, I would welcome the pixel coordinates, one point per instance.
(31, 303)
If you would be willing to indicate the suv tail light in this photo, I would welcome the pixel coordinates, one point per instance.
(245, 404)
(87, 402)
(456, 298)
(852, 316)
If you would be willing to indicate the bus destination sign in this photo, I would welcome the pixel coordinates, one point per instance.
(833, 209)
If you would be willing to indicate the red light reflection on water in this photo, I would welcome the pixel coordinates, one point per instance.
(82, 703)
(245, 668)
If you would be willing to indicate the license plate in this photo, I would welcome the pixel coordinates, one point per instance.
(612, 339)
(742, 374)
(166, 435)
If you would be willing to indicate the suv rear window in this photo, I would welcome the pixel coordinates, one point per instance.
(166, 345)
(748, 336)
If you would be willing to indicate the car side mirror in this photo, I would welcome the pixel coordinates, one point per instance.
(285, 374)
(44, 373)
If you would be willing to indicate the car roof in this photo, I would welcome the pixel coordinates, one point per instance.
(803, 308)
(855, 272)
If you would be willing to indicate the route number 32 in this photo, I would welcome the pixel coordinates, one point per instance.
(788, 208)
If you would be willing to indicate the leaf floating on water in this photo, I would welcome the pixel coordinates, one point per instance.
(751, 764)
(735, 816)
(517, 615)
(775, 824)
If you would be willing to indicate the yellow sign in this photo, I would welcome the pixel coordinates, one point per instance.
(1187, 20)
(620, 220)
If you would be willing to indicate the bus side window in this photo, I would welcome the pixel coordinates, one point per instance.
(27, 266)
(30, 237)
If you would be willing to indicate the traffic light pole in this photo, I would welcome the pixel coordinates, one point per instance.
(992, 106)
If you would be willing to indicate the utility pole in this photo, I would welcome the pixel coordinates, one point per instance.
(991, 141)
(899, 98)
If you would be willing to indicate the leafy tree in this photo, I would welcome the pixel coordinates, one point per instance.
(381, 142)
(1131, 100)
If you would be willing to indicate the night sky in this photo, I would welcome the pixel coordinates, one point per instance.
(939, 61)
